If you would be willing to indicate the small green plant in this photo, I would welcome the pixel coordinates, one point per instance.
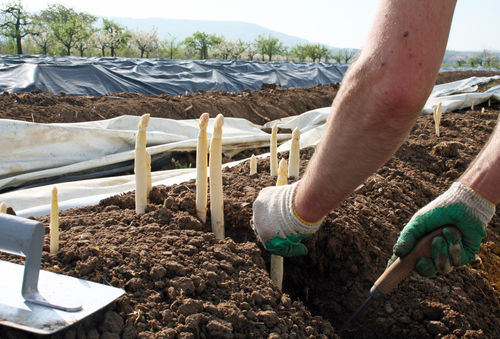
(178, 164)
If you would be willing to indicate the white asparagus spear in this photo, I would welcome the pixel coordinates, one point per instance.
(215, 165)
(277, 260)
(437, 112)
(3, 207)
(54, 222)
(273, 161)
(201, 169)
(277, 270)
(435, 121)
(282, 173)
(294, 158)
(141, 166)
(149, 180)
(253, 164)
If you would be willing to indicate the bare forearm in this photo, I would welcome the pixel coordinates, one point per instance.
(379, 100)
(483, 175)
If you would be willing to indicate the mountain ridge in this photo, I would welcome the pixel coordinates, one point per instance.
(230, 30)
(180, 29)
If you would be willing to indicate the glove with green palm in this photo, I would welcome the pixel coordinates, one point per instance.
(459, 206)
(277, 224)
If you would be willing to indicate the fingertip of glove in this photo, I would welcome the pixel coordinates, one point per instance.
(293, 250)
(425, 267)
(401, 249)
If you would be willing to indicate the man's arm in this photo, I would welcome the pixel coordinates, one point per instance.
(483, 175)
(379, 100)
(381, 96)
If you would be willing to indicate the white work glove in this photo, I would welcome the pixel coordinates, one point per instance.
(277, 224)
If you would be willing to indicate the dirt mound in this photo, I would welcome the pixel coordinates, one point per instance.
(270, 103)
(181, 282)
(256, 106)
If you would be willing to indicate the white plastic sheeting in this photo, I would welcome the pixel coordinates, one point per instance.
(37, 151)
(40, 151)
(461, 94)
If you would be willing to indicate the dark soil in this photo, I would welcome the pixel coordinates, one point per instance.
(270, 103)
(257, 106)
(181, 282)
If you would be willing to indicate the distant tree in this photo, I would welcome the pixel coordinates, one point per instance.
(230, 49)
(202, 43)
(116, 35)
(269, 46)
(43, 39)
(171, 47)
(490, 61)
(16, 23)
(285, 54)
(68, 26)
(298, 51)
(224, 49)
(83, 45)
(316, 52)
(146, 42)
(460, 62)
(348, 56)
(327, 55)
(100, 40)
(189, 52)
(337, 57)
(344, 56)
(239, 47)
(474, 61)
(251, 50)
(313, 51)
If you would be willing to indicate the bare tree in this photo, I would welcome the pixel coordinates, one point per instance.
(490, 61)
(348, 55)
(344, 56)
(224, 49)
(83, 45)
(238, 50)
(116, 35)
(146, 42)
(100, 40)
(251, 50)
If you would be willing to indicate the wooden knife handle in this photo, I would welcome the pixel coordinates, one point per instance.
(402, 267)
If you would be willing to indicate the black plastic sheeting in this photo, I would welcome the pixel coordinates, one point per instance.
(100, 76)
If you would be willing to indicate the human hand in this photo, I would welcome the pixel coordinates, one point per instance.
(459, 206)
(277, 224)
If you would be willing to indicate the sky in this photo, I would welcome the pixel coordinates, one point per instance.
(343, 24)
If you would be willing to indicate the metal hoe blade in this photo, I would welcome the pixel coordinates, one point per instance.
(375, 294)
(358, 312)
(39, 301)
